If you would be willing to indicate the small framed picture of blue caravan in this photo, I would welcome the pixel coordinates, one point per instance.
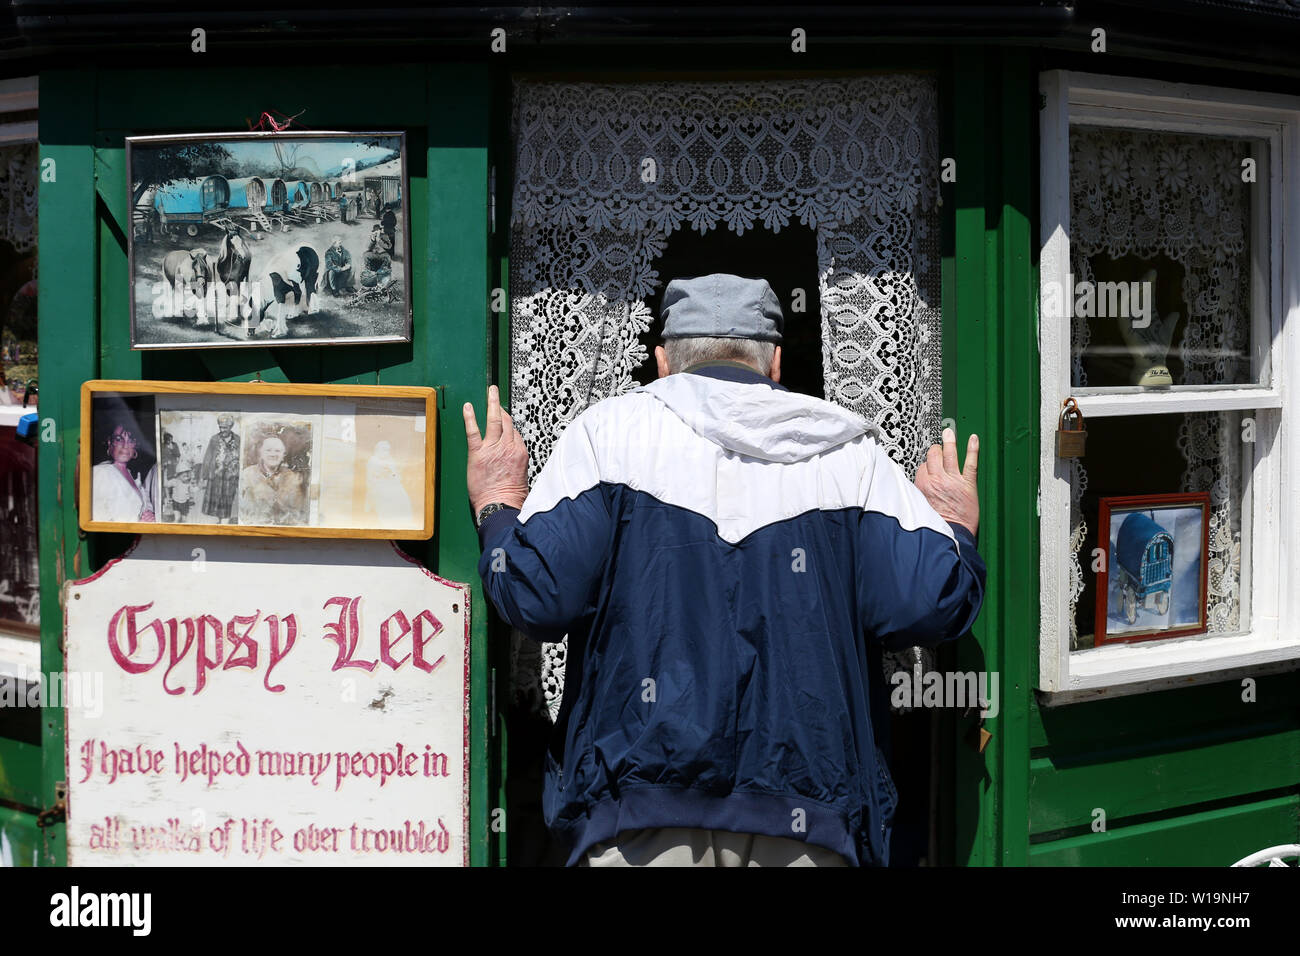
(1153, 579)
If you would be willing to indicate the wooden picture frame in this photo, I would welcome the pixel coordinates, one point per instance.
(239, 239)
(1146, 565)
(257, 458)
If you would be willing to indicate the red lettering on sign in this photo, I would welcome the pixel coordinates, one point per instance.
(420, 640)
(206, 635)
(132, 638)
(386, 640)
(277, 655)
(173, 627)
(249, 659)
(345, 633)
(204, 661)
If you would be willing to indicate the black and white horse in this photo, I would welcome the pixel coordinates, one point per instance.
(290, 287)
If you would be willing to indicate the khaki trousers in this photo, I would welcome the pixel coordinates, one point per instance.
(681, 846)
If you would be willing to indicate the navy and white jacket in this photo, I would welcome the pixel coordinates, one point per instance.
(719, 551)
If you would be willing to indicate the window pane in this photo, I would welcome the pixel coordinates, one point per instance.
(1154, 455)
(19, 609)
(18, 533)
(1161, 247)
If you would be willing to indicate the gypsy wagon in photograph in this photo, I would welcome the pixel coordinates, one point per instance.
(324, 201)
(249, 203)
(925, 187)
(276, 208)
(298, 202)
(258, 203)
(277, 197)
(247, 194)
(1145, 558)
(193, 203)
(386, 189)
(297, 193)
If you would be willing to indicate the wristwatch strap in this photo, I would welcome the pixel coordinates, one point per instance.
(487, 510)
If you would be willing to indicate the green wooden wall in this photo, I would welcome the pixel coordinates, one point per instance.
(85, 319)
(1190, 776)
(1184, 776)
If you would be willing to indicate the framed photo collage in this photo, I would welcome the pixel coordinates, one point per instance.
(248, 240)
(249, 458)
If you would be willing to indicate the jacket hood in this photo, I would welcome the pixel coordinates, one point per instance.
(756, 419)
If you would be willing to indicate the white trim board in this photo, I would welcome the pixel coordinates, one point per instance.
(1151, 685)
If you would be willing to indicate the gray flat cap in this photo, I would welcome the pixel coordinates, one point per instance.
(724, 306)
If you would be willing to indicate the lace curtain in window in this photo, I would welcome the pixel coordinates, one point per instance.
(1165, 194)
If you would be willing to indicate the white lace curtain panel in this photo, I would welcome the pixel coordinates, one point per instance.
(606, 173)
(1150, 194)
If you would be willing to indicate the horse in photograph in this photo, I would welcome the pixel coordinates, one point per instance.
(234, 258)
(188, 272)
(289, 283)
(233, 262)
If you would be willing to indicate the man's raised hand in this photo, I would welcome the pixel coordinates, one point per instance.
(498, 460)
(950, 490)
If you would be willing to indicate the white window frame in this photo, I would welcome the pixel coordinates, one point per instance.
(1270, 584)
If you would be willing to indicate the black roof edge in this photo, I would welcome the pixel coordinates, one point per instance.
(1250, 34)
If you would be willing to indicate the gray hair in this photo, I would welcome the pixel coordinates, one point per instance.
(685, 352)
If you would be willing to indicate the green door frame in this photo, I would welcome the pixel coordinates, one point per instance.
(990, 358)
(990, 383)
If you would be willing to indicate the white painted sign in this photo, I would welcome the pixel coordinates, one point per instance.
(268, 702)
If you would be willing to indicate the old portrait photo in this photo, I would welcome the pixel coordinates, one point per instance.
(245, 238)
(278, 482)
(375, 454)
(200, 458)
(124, 474)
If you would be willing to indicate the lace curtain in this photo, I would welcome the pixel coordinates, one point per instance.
(604, 174)
(19, 166)
(1151, 194)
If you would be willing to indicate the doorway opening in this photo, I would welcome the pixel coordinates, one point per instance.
(786, 259)
(843, 164)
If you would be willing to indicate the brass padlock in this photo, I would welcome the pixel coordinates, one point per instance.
(1071, 435)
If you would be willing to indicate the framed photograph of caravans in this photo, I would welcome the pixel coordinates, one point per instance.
(1154, 576)
(256, 239)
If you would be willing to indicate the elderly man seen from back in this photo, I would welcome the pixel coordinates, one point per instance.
(721, 552)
